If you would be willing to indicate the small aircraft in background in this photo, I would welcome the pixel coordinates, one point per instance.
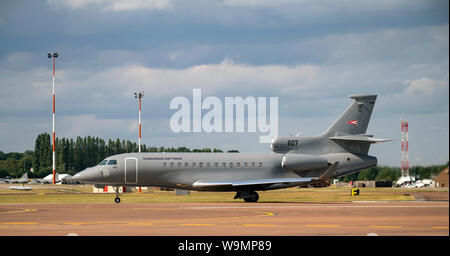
(21, 180)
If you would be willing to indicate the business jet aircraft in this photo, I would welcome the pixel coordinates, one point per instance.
(295, 160)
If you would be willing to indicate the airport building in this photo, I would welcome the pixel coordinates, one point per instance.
(442, 179)
(373, 184)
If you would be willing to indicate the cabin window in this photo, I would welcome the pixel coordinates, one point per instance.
(165, 165)
(253, 164)
(193, 165)
(179, 165)
(200, 165)
(260, 164)
(171, 165)
(224, 165)
(231, 165)
(208, 165)
(186, 165)
(216, 165)
(238, 165)
(103, 162)
(245, 164)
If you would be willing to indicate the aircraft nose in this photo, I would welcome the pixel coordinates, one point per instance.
(86, 176)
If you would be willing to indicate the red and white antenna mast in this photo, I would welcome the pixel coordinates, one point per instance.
(405, 148)
(53, 56)
(139, 95)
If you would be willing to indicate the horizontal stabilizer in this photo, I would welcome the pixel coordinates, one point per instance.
(362, 138)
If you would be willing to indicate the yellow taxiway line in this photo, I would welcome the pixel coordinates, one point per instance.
(385, 226)
(19, 223)
(323, 226)
(139, 224)
(20, 211)
(196, 224)
(258, 225)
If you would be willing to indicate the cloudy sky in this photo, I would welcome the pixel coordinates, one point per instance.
(310, 54)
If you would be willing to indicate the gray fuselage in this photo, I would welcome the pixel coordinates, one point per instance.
(182, 170)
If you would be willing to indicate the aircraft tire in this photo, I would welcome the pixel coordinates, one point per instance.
(117, 200)
(253, 198)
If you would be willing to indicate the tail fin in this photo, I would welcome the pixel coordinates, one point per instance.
(355, 119)
(25, 176)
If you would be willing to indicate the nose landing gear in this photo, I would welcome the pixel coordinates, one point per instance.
(117, 199)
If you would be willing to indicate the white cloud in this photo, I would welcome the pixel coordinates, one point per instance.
(114, 5)
(174, 55)
(324, 4)
(72, 126)
(18, 58)
(108, 88)
(440, 34)
(226, 77)
(427, 86)
(26, 90)
(133, 127)
(423, 95)
(131, 5)
(258, 2)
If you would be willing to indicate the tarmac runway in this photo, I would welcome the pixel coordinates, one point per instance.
(406, 218)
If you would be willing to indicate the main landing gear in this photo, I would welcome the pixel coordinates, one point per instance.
(117, 199)
(248, 196)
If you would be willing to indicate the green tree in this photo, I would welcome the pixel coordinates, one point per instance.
(386, 173)
(368, 174)
(78, 154)
(42, 156)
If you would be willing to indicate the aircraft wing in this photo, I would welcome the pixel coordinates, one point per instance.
(266, 182)
(238, 183)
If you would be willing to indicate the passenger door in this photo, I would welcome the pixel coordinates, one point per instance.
(131, 170)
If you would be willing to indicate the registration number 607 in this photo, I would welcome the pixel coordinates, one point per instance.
(292, 143)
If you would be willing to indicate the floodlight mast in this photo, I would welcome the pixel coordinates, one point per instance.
(53, 56)
(139, 95)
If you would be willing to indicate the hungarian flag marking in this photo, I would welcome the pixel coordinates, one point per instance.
(354, 122)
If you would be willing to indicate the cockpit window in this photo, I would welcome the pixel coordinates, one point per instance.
(112, 162)
(103, 162)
